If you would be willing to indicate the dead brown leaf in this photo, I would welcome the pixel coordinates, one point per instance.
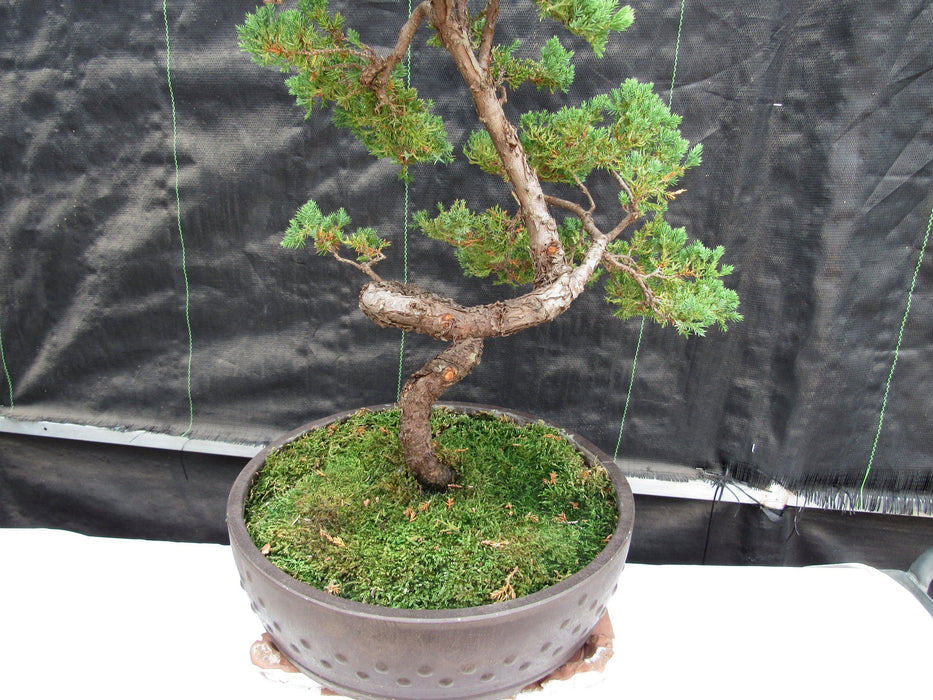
(333, 540)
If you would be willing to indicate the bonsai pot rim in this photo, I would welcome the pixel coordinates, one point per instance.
(238, 532)
(580, 598)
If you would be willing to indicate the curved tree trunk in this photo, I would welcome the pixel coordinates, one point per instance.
(418, 396)
(556, 281)
(449, 18)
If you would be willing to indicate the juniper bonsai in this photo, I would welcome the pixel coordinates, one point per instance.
(647, 267)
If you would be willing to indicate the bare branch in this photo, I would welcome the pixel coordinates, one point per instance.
(409, 308)
(623, 263)
(378, 74)
(586, 216)
(572, 207)
(629, 219)
(489, 29)
(366, 268)
(624, 185)
(585, 190)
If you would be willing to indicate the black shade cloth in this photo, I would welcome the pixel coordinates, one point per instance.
(818, 153)
(120, 491)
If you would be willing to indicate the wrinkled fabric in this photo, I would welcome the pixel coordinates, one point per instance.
(817, 136)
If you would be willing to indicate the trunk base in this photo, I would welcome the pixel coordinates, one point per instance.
(417, 399)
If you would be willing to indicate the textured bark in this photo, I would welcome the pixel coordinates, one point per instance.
(379, 72)
(556, 282)
(418, 396)
(410, 308)
(547, 253)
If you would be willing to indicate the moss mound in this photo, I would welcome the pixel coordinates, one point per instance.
(338, 510)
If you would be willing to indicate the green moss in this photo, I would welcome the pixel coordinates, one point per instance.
(338, 510)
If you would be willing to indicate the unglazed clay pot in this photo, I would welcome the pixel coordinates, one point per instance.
(368, 651)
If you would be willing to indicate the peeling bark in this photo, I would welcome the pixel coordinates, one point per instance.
(379, 72)
(547, 252)
(410, 308)
(557, 283)
(419, 394)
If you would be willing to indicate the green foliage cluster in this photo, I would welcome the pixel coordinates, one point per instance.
(553, 72)
(684, 280)
(329, 60)
(628, 132)
(648, 152)
(590, 19)
(327, 233)
(338, 510)
(492, 242)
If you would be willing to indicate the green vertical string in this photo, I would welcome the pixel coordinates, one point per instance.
(628, 395)
(181, 235)
(6, 370)
(680, 27)
(401, 349)
(897, 350)
(641, 328)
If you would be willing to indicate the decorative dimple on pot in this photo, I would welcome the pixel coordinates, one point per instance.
(366, 651)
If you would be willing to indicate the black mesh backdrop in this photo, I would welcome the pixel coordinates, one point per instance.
(817, 132)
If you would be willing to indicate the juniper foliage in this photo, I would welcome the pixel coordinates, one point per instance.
(627, 132)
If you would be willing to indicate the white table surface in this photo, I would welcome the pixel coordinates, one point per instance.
(110, 618)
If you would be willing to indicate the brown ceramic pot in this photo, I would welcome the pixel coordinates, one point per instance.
(368, 651)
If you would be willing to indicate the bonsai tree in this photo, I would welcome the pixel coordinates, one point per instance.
(549, 247)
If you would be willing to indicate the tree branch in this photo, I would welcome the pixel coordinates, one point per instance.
(624, 185)
(545, 247)
(572, 207)
(378, 74)
(585, 190)
(627, 265)
(586, 216)
(489, 30)
(367, 55)
(366, 268)
(629, 219)
(410, 308)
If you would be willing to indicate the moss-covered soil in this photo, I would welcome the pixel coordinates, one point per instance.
(338, 510)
